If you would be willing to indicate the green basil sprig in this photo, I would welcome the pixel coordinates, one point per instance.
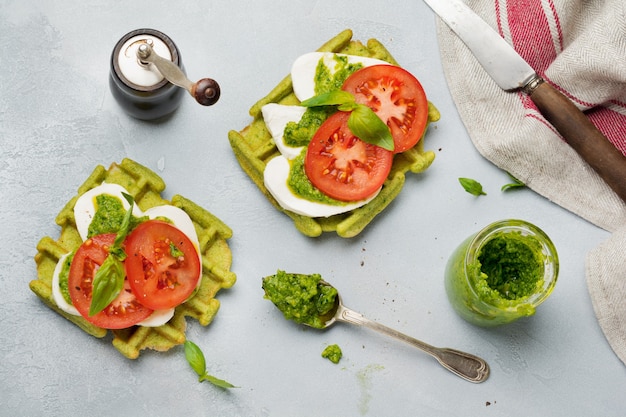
(363, 122)
(196, 360)
(472, 186)
(514, 184)
(109, 279)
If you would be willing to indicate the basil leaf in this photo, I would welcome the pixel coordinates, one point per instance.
(216, 381)
(107, 284)
(195, 358)
(121, 234)
(472, 186)
(331, 98)
(367, 126)
(515, 184)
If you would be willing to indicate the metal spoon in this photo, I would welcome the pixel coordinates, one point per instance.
(465, 365)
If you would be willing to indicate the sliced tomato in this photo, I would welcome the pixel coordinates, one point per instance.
(341, 165)
(162, 264)
(397, 97)
(125, 311)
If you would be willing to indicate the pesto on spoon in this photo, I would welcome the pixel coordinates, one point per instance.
(309, 300)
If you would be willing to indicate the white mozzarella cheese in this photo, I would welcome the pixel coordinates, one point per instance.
(56, 289)
(275, 178)
(157, 318)
(276, 117)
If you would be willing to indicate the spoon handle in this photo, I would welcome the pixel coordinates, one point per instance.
(465, 365)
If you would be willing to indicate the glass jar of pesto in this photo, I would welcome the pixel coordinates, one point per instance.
(501, 273)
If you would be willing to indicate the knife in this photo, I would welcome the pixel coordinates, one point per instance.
(509, 70)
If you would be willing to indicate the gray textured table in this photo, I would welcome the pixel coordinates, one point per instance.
(58, 120)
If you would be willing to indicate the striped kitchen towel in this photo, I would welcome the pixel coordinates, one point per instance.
(579, 47)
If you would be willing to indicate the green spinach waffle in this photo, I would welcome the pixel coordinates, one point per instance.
(146, 187)
(254, 147)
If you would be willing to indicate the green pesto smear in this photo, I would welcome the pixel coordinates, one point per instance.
(300, 133)
(64, 278)
(301, 185)
(109, 216)
(302, 298)
(333, 353)
(326, 80)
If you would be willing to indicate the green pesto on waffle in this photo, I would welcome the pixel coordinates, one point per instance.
(146, 187)
(254, 148)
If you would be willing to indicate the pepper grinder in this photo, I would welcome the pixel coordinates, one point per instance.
(147, 76)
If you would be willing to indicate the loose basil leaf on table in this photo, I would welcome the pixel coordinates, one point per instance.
(196, 360)
(472, 186)
(514, 184)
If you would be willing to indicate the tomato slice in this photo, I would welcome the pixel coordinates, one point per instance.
(125, 311)
(162, 264)
(341, 165)
(397, 97)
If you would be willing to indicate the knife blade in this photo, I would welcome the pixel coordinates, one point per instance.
(511, 72)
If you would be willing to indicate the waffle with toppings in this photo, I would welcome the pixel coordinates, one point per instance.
(254, 147)
(146, 187)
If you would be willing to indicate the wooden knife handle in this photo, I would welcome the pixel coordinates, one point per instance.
(582, 136)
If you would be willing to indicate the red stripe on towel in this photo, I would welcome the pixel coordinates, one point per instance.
(533, 39)
(612, 124)
(530, 33)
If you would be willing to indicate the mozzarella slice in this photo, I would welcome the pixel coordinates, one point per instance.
(276, 117)
(304, 68)
(275, 178)
(56, 289)
(157, 318)
(85, 207)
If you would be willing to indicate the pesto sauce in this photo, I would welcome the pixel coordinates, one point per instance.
(63, 278)
(511, 265)
(301, 133)
(300, 184)
(301, 298)
(109, 216)
(327, 79)
(333, 353)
